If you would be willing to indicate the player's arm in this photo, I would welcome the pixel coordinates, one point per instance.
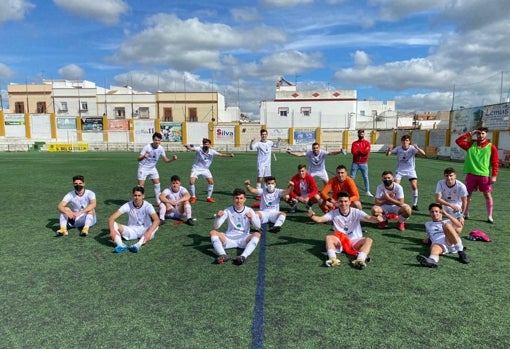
(189, 147)
(295, 153)
(221, 155)
(251, 144)
(373, 219)
(167, 160)
(221, 217)
(277, 143)
(465, 140)
(420, 151)
(62, 207)
(441, 201)
(90, 207)
(335, 152)
(318, 219)
(494, 163)
(113, 218)
(155, 223)
(389, 151)
(251, 189)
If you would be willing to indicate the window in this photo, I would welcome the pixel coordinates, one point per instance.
(362, 113)
(167, 114)
(84, 106)
(41, 107)
(193, 117)
(120, 112)
(19, 107)
(63, 106)
(283, 111)
(143, 112)
(306, 111)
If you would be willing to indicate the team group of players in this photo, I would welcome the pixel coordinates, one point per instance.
(339, 199)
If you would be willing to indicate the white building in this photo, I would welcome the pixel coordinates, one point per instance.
(74, 97)
(327, 109)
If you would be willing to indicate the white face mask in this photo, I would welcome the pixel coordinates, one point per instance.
(271, 187)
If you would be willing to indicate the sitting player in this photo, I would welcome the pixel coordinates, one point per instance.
(389, 200)
(238, 235)
(270, 202)
(81, 212)
(142, 223)
(305, 190)
(347, 236)
(443, 236)
(175, 202)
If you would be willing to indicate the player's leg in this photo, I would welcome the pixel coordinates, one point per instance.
(251, 243)
(333, 246)
(413, 181)
(192, 179)
(210, 187)
(218, 240)
(363, 247)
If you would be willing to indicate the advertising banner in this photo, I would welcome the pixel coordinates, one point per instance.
(92, 124)
(171, 131)
(224, 135)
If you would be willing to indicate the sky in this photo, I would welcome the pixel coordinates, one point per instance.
(427, 55)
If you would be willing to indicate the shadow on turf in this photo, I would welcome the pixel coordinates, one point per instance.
(115, 202)
(201, 244)
(104, 238)
(53, 224)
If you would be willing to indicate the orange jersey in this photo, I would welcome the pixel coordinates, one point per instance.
(335, 186)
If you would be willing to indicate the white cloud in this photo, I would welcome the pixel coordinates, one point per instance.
(71, 72)
(191, 44)
(361, 59)
(392, 10)
(105, 11)
(14, 10)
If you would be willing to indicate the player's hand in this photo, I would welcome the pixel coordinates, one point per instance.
(174, 157)
(247, 182)
(147, 155)
(232, 155)
(220, 213)
(493, 179)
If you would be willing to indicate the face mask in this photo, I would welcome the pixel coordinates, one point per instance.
(387, 182)
(205, 147)
(360, 137)
(271, 188)
(78, 187)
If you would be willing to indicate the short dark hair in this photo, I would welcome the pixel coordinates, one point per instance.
(269, 178)
(342, 194)
(404, 137)
(361, 131)
(386, 173)
(300, 166)
(157, 135)
(483, 129)
(79, 178)
(341, 167)
(175, 178)
(139, 188)
(314, 144)
(206, 140)
(435, 204)
(238, 191)
(448, 170)
(263, 130)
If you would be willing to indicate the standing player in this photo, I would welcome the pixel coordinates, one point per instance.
(238, 235)
(406, 165)
(347, 236)
(270, 202)
(452, 195)
(147, 160)
(360, 151)
(142, 223)
(82, 212)
(263, 147)
(444, 235)
(316, 161)
(389, 200)
(481, 166)
(175, 202)
(203, 159)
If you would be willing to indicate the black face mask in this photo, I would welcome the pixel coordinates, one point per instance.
(78, 187)
(388, 182)
(361, 137)
(205, 147)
